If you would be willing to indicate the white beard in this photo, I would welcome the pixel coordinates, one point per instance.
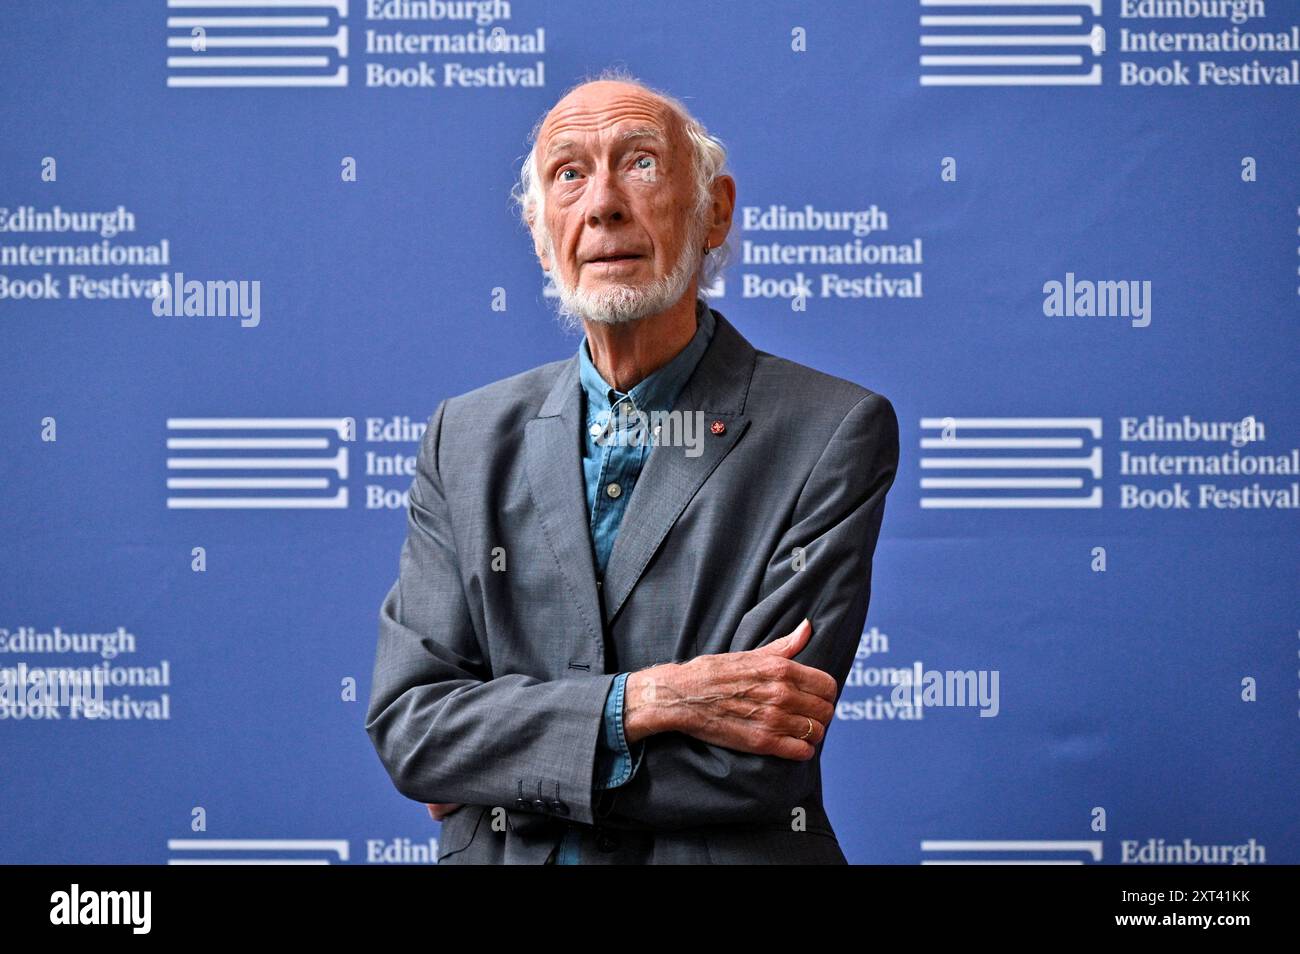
(619, 303)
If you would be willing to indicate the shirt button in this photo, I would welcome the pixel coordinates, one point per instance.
(614, 490)
(595, 430)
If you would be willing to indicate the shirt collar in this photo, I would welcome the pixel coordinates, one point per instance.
(659, 390)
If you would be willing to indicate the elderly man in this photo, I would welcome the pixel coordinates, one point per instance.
(634, 581)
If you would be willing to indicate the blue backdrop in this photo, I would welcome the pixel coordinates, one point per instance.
(1147, 657)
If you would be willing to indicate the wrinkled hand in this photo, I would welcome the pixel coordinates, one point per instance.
(758, 700)
(440, 810)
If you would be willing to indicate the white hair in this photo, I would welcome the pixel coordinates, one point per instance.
(620, 303)
(709, 160)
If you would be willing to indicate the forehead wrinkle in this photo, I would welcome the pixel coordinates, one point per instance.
(627, 135)
(643, 132)
(559, 144)
(580, 116)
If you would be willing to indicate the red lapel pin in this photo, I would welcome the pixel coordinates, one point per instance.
(718, 427)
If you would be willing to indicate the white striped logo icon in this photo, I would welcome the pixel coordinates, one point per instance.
(224, 43)
(1023, 43)
(242, 463)
(1010, 462)
(255, 851)
(1010, 852)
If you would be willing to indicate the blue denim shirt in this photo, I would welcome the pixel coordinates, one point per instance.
(614, 454)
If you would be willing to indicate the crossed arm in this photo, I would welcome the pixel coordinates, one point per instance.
(724, 738)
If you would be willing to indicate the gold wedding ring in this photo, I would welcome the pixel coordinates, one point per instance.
(809, 732)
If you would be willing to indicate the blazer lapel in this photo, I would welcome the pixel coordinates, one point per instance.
(717, 389)
(553, 462)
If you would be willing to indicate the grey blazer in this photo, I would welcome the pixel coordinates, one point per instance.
(497, 646)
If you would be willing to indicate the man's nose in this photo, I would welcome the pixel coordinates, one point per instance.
(606, 203)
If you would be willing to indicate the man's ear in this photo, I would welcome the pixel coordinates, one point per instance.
(539, 247)
(724, 205)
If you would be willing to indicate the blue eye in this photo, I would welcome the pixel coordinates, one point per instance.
(644, 159)
(564, 172)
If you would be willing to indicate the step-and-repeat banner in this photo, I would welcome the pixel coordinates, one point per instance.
(1060, 236)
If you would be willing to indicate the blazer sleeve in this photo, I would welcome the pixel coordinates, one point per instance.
(683, 782)
(444, 728)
